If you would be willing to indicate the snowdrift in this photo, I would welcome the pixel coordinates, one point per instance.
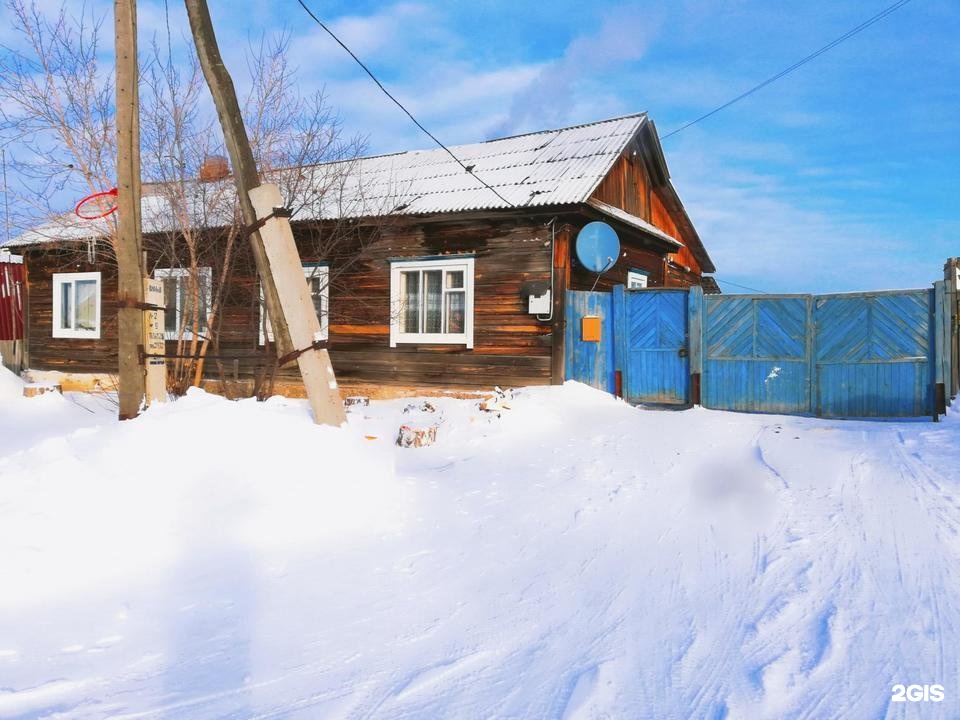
(570, 557)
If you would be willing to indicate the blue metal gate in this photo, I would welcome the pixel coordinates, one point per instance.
(851, 355)
(757, 353)
(653, 338)
(874, 354)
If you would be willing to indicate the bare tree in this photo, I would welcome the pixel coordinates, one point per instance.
(56, 106)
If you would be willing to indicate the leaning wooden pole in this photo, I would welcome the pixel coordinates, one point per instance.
(129, 242)
(245, 173)
(287, 298)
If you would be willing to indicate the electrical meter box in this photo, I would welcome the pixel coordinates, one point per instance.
(539, 304)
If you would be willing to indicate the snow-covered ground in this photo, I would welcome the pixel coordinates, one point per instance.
(572, 558)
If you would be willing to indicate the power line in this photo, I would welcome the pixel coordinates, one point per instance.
(467, 168)
(742, 287)
(829, 46)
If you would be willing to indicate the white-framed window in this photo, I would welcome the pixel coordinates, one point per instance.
(431, 301)
(637, 279)
(76, 305)
(318, 280)
(177, 294)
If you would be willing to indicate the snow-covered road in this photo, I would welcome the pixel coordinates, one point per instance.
(574, 558)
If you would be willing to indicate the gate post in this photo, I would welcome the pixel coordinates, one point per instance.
(619, 337)
(940, 349)
(951, 278)
(695, 340)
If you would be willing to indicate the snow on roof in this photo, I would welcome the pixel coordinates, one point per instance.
(551, 167)
(632, 220)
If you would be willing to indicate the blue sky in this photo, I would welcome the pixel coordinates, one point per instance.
(842, 176)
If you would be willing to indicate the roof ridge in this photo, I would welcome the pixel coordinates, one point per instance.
(562, 129)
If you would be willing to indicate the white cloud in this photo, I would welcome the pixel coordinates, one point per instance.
(547, 101)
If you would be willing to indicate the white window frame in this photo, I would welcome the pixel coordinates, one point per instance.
(176, 274)
(59, 280)
(637, 275)
(310, 270)
(454, 262)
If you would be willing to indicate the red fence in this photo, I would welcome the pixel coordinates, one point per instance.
(11, 301)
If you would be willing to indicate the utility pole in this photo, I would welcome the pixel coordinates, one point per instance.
(130, 270)
(286, 295)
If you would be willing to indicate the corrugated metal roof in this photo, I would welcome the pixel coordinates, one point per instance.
(551, 167)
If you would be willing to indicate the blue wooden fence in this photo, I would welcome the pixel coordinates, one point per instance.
(875, 354)
(879, 354)
(757, 353)
(591, 363)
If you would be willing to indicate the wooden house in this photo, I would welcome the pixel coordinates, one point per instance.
(458, 287)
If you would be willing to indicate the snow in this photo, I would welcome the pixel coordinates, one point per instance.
(569, 557)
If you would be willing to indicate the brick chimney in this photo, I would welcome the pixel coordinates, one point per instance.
(214, 167)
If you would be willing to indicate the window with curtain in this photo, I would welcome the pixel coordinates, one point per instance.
(432, 301)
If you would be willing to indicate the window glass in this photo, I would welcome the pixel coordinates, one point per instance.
(455, 279)
(86, 317)
(433, 295)
(187, 297)
(316, 294)
(410, 297)
(66, 306)
(456, 306)
(170, 302)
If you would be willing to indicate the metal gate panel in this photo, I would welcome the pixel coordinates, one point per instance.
(757, 353)
(874, 354)
(656, 366)
(589, 362)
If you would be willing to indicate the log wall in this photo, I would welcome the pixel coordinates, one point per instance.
(511, 347)
(628, 187)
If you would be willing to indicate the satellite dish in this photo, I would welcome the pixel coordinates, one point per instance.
(597, 246)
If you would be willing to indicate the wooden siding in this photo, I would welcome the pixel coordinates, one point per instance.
(80, 355)
(627, 187)
(689, 268)
(631, 257)
(511, 347)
